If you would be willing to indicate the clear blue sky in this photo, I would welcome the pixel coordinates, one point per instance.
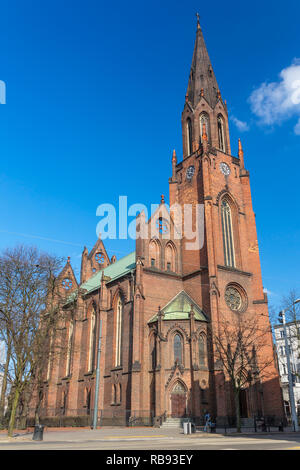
(95, 92)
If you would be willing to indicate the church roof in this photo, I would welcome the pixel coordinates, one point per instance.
(113, 271)
(179, 309)
(202, 75)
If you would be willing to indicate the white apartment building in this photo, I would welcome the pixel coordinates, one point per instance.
(293, 335)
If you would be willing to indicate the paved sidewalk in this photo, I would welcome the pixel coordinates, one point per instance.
(110, 433)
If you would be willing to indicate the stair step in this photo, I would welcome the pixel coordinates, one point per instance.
(174, 422)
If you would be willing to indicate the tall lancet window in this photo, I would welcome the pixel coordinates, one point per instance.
(204, 119)
(228, 242)
(189, 135)
(178, 348)
(92, 342)
(69, 349)
(119, 321)
(221, 134)
(202, 354)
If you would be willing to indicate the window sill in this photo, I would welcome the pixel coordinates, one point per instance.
(233, 270)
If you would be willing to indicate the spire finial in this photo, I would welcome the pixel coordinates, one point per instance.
(68, 259)
(241, 154)
(162, 199)
(201, 73)
(174, 157)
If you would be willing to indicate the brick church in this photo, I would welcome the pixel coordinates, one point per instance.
(160, 306)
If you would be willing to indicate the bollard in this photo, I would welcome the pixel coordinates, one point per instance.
(38, 432)
(185, 428)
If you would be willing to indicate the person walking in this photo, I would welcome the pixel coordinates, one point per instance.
(207, 420)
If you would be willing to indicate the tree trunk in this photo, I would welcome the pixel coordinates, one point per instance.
(4, 386)
(237, 410)
(12, 419)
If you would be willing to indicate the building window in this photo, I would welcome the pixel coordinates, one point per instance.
(153, 352)
(226, 216)
(114, 394)
(221, 134)
(162, 225)
(120, 393)
(154, 253)
(69, 349)
(189, 136)
(92, 343)
(287, 408)
(50, 356)
(119, 321)
(88, 401)
(178, 349)
(170, 256)
(202, 354)
(204, 119)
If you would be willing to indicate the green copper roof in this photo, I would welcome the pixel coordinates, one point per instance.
(179, 309)
(113, 271)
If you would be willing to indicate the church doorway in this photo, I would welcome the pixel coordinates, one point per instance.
(178, 401)
(243, 404)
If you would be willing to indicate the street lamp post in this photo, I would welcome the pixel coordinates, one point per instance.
(290, 379)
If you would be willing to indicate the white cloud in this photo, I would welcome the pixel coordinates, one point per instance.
(278, 101)
(269, 293)
(241, 125)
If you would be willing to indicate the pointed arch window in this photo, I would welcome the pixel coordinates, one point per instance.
(204, 119)
(50, 356)
(178, 349)
(221, 134)
(154, 253)
(69, 349)
(119, 324)
(153, 352)
(202, 351)
(170, 258)
(189, 135)
(227, 231)
(92, 343)
(114, 394)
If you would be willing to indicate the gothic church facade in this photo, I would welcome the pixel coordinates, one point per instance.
(160, 306)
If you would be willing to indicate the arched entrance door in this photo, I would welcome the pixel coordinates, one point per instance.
(243, 404)
(178, 401)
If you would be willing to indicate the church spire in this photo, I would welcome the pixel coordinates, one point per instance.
(202, 80)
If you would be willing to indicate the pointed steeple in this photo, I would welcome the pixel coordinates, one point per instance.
(202, 80)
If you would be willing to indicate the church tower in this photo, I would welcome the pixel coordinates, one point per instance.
(223, 274)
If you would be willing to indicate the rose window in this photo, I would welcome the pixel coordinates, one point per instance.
(99, 257)
(233, 299)
(67, 283)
